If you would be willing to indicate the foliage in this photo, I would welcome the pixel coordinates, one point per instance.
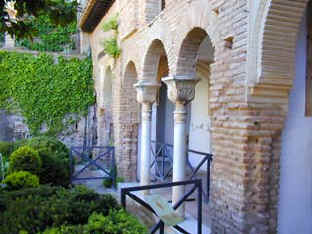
(6, 148)
(54, 154)
(35, 210)
(61, 12)
(117, 222)
(20, 180)
(50, 37)
(55, 168)
(45, 92)
(25, 159)
(65, 229)
(4, 166)
(108, 182)
(111, 24)
(49, 146)
(111, 44)
(111, 47)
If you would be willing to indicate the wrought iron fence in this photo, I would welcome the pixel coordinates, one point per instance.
(93, 158)
(197, 185)
(162, 164)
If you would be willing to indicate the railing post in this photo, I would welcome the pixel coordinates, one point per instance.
(162, 228)
(199, 221)
(208, 176)
(123, 198)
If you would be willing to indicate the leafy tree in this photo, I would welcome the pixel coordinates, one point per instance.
(16, 16)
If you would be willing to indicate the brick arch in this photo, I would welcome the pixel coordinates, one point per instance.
(131, 67)
(126, 112)
(188, 53)
(271, 60)
(198, 15)
(130, 73)
(155, 51)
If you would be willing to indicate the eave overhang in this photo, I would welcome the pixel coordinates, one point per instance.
(93, 13)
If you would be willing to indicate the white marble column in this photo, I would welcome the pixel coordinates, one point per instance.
(146, 95)
(181, 91)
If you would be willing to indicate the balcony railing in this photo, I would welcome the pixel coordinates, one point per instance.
(162, 164)
(159, 226)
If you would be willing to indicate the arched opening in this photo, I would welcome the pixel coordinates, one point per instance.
(295, 200)
(155, 68)
(195, 57)
(105, 111)
(126, 138)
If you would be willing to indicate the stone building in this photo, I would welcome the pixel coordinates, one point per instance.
(237, 74)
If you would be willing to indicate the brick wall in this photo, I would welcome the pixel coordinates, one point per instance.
(245, 129)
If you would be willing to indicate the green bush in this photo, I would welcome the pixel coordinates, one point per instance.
(118, 221)
(49, 146)
(55, 169)
(34, 210)
(6, 148)
(64, 229)
(25, 159)
(21, 180)
(108, 182)
(54, 154)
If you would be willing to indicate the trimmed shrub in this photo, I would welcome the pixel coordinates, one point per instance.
(55, 169)
(25, 159)
(118, 221)
(77, 229)
(34, 210)
(49, 146)
(107, 182)
(6, 148)
(54, 154)
(21, 180)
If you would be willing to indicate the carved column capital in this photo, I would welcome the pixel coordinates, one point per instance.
(181, 89)
(146, 91)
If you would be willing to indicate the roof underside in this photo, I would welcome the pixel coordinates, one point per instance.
(93, 13)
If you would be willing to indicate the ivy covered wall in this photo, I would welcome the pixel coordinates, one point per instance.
(50, 37)
(45, 91)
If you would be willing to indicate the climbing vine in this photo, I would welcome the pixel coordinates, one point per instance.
(44, 91)
(111, 44)
(50, 37)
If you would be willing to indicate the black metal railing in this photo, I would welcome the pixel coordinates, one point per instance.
(197, 185)
(162, 164)
(99, 157)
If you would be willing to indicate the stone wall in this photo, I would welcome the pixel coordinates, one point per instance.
(13, 128)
